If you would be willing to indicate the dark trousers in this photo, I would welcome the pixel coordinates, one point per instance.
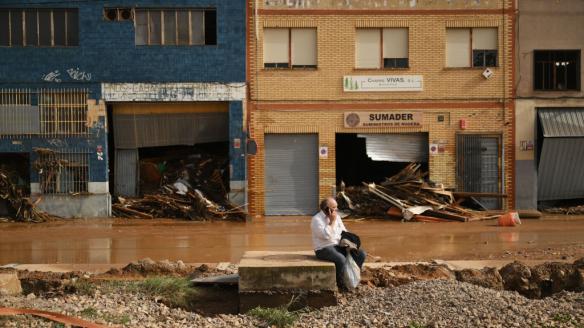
(337, 255)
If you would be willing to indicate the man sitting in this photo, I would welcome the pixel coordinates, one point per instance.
(327, 227)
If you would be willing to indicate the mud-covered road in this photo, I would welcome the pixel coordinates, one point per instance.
(115, 241)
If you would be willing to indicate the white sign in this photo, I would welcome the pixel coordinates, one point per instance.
(433, 149)
(383, 83)
(323, 152)
(383, 119)
(160, 92)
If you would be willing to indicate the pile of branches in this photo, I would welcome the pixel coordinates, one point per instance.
(408, 195)
(172, 203)
(191, 189)
(24, 210)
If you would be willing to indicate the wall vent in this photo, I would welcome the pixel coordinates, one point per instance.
(118, 14)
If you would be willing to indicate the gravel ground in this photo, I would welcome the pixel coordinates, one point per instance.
(434, 303)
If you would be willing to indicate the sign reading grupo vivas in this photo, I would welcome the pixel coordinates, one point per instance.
(383, 119)
(382, 83)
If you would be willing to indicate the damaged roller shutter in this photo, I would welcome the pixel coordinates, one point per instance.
(560, 174)
(407, 147)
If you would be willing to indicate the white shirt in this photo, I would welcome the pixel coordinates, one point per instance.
(324, 234)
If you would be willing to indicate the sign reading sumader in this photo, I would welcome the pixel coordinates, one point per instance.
(353, 83)
(383, 119)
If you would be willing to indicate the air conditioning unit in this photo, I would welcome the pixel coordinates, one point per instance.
(487, 73)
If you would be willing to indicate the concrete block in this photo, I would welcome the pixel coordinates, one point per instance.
(261, 271)
(9, 284)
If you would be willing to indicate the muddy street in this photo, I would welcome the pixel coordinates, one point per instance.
(117, 241)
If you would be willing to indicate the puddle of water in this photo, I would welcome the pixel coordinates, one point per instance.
(114, 241)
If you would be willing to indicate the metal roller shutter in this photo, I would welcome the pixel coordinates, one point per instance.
(407, 147)
(126, 174)
(291, 174)
(560, 174)
(155, 130)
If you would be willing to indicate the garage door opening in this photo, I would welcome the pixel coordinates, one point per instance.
(374, 157)
(154, 143)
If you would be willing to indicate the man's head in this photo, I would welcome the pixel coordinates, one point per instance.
(327, 204)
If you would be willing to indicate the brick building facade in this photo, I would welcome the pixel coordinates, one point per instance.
(448, 64)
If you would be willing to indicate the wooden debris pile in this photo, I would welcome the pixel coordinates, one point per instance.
(24, 209)
(566, 210)
(408, 196)
(191, 205)
(191, 188)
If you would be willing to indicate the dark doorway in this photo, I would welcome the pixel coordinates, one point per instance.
(164, 165)
(17, 168)
(354, 166)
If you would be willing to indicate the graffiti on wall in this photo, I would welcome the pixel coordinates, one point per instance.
(74, 74)
(52, 76)
(78, 75)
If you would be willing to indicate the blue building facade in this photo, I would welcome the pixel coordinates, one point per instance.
(84, 85)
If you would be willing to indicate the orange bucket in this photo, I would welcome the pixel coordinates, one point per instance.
(509, 219)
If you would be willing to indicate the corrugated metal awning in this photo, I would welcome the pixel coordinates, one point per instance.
(406, 147)
(562, 122)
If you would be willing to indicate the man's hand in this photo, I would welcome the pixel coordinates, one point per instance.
(332, 216)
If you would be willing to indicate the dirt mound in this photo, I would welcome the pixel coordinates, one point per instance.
(404, 274)
(148, 267)
(48, 284)
(487, 277)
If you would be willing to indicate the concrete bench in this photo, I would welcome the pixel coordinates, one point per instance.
(272, 279)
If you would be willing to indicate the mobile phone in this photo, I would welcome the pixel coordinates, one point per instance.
(328, 211)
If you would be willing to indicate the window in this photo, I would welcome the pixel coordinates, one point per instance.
(556, 70)
(39, 27)
(63, 112)
(290, 47)
(62, 173)
(476, 47)
(170, 27)
(376, 48)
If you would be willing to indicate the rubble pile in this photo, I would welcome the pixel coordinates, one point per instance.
(570, 210)
(191, 188)
(407, 195)
(24, 208)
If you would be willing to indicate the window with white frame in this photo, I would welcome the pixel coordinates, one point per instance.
(471, 47)
(290, 48)
(381, 48)
(175, 27)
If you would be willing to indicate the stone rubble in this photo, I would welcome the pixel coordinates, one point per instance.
(432, 303)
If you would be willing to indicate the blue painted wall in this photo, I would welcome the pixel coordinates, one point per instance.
(107, 53)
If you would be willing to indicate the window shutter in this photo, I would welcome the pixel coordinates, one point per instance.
(276, 45)
(368, 47)
(141, 21)
(395, 43)
(303, 47)
(458, 47)
(484, 38)
(197, 27)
